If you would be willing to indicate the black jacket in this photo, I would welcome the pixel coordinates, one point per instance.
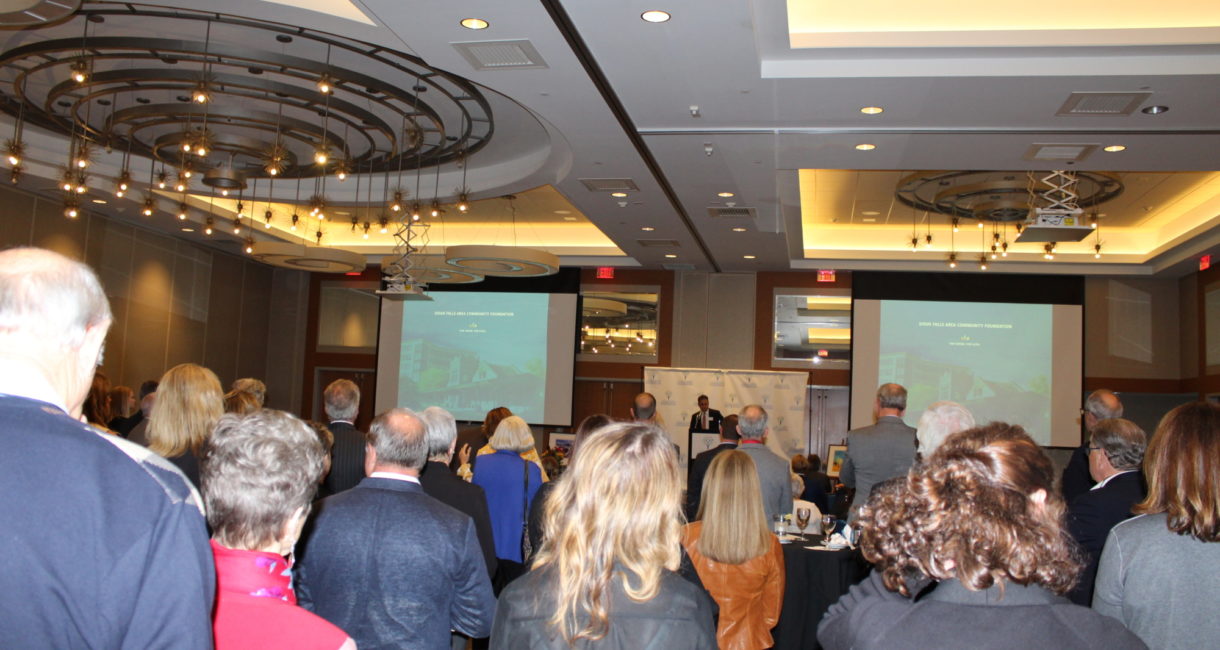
(347, 458)
(1090, 518)
(441, 484)
(679, 617)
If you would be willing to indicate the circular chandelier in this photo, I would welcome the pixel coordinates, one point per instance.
(994, 196)
(219, 99)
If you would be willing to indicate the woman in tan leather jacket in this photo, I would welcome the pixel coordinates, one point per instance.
(738, 559)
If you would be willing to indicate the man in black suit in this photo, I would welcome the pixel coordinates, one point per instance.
(705, 420)
(387, 563)
(443, 485)
(698, 467)
(1077, 478)
(341, 400)
(1116, 449)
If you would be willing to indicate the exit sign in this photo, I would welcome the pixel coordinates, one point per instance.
(605, 273)
(1205, 262)
(826, 275)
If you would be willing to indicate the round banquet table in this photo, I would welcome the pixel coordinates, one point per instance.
(814, 580)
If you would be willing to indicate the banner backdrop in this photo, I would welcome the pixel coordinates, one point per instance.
(782, 394)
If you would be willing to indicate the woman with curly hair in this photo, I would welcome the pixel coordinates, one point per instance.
(970, 551)
(1158, 571)
(605, 574)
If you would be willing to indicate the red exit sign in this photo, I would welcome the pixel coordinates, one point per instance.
(1205, 262)
(605, 273)
(826, 275)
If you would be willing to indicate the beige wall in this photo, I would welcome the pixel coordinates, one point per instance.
(714, 320)
(1133, 328)
(175, 301)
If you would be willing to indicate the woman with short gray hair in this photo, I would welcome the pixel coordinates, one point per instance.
(259, 475)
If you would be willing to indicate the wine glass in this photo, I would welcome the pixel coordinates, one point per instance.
(802, 518)
(828, 526)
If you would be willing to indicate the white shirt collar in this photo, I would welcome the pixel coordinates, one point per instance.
(395, 476)
(1102, 484)
(16, 379)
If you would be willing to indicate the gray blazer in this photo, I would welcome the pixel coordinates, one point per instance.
(773, 477)
(884, 450)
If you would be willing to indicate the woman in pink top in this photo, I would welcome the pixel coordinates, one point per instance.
(259, 475)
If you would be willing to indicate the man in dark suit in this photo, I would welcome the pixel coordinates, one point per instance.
(705, 420)
(341, 400)
(443, 485)
(884, 450)
(1077, 478)
(698, 467)
(390, 565)
(1116, 449)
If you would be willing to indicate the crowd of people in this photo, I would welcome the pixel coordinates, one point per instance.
(181, 515)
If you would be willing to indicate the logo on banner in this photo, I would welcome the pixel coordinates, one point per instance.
(749, 382)
(781, 383)
(796, 404)
(779, 424)
(669, 397)
(685, 381)
(766, 400)
(718, 380)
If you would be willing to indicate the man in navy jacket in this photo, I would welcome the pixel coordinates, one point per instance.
(1115, 452)
(102, 542)
(390, 565)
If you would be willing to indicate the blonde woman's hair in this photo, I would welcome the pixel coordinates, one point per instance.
(731, 508)
(513, 434)
(189, 402)
(617, 506)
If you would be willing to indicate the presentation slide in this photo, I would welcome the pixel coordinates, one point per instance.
(993, 358)
(1004, 361)
(469, 352)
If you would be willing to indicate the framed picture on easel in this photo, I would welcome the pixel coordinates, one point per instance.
(835, 454)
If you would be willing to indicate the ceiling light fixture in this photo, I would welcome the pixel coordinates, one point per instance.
(670, 256)
(864, 146)
(474, 23)
(80, 71)
(655, 16)
(1115, 148)
(1154, 110)
(740, 229)
(726, 195)
(325, 85)
(647, 228)
(872, 110)
(747, 257)
(618, 195)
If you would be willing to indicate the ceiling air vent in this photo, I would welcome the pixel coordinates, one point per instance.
(718, 212)
(610, 184)
(1059, 151)
(658, 243)
(1099, 103)
(501, 55)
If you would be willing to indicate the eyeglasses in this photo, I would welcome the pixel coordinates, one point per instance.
(1094, 448)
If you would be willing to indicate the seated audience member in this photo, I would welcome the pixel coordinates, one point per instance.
(259, 475)
(241, 402)
(389, 564)
(739, 561)
(939, 421)
(255, 387)
(1158, 572)
(96, 409)
(604, 576)
(1116, 449)
(441, 484)
(815, 513)
(969, 552)
(122, 407)
(586, 428)
(189, 402)
(817, 484)
(510, 483)
(341, 402)
(472, 439)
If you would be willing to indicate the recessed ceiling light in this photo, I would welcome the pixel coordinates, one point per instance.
(100, 201)
(739, 229)
(870, 213)
(747, 257)
(188, 230)
(866, 147)
(725, 195)
(474, 23)
(618, 195)
(1115, 148)
(1154, 110)
(563, 212)
(569, 218)
(655, 16)
(872, 110)
(647, 228)
(670, 255)
(869, 220)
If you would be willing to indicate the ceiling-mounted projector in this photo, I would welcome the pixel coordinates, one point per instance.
(1055, 225)
(393, 290)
